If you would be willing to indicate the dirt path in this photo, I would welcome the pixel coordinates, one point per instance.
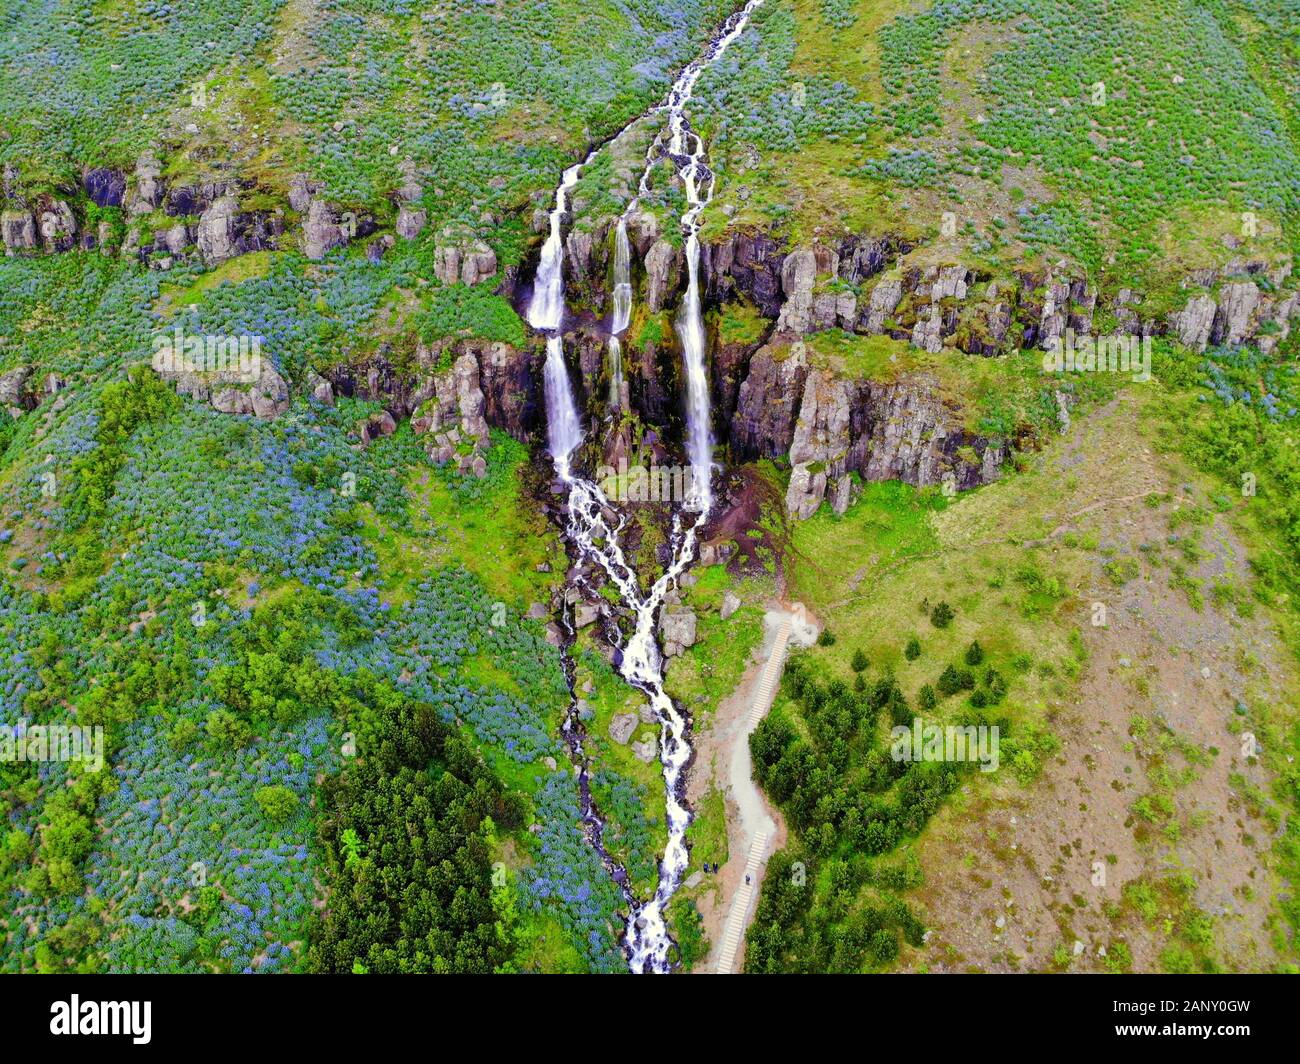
(755, 829)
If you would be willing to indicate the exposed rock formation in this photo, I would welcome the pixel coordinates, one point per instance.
(145, 191)
(767, 405)
(216, 233)
(229, 392)
(677, 626)
(411, 218)
(820, 444)
(16, 398)
(462, 259)
(18, 230)
(453, 419)
(321, 230)
(57, 225)
(881, 431)
(105, 187)
(661, 274)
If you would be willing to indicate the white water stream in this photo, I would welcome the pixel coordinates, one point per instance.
(639, 660)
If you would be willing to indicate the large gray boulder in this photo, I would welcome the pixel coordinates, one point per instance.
(58, 226)
(927, 333)
(677, 625)
(146, 190)
(15, 397)
(410, 221)
(301, 191)
(622, 726)
(478, 264)
(730, 604)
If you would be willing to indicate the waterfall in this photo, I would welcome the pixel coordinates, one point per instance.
(546, 308)
(698, 179)
(638, 660)
(546, 313)
(699, 433)
(563, 426)
(622, 312)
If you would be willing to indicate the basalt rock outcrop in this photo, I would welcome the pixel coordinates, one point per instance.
(263, 393)
(453, 421)
(210, 221)
(462, 259)
(507, 378)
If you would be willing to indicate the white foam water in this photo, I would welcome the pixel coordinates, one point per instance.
(639, 660)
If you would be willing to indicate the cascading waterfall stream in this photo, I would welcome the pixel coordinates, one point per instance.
(639, 660)
(622, 313)
(546, 313)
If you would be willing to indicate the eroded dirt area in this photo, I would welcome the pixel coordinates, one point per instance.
(1033, 878)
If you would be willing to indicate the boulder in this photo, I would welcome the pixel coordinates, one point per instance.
(15, 397)
(320, 389)
(646, 750)
(376, 248)
(174, 239)
(105, 238)
(885, 298)
(446, 263)
(146, 190)
(928, 331)
(270, 393)
(842, 494)
(410, 189)
(478, 264)
(951, 283)
(377, 425)
(301, 191)
(730, 604)
(677, 625)
(410, 221)
(267, 399)
(622, 726)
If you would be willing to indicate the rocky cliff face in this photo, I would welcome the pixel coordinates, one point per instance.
(209, 224)
(830, 427)
(767, 403)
